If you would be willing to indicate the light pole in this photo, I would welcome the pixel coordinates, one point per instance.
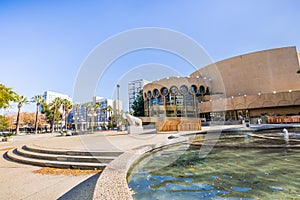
(118, 111)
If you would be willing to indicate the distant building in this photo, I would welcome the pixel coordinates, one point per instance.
(49, 96)
(84, 118)
(118, 105)
(134, 88)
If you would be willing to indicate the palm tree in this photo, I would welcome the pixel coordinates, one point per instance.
(67, 106)
(55, 105)
(95, 109)
(104, 110)
(109, 110)
(87, 109)
(77, 106)
(38, 100)
(21, 100)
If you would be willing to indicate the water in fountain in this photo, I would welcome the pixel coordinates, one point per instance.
(228, 172)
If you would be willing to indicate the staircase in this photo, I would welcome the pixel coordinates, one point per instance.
(59, 158)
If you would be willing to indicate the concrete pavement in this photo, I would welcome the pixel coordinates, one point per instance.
(19, 182)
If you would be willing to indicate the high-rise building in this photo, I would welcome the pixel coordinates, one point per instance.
(49, 96)
(85, 115)
(134, 88)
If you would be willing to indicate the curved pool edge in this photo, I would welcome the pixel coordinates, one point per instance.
(112, 183)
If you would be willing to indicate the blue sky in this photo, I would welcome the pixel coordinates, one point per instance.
(44, 43)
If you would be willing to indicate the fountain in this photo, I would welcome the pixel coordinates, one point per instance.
(285, 133)
(252, 165)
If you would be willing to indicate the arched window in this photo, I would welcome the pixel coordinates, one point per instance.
(184, 89)
(155, 92)
(202, 90)
(149, 94)
(174, 90)
(193, 89)
(164, 91)
(207, 91)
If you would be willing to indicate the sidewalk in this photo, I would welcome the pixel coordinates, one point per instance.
(19, 182)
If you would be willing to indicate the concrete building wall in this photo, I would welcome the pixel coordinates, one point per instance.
(49, 96)
(262, 81)
(259, 72)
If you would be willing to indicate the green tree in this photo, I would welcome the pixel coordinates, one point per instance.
(49, 113)
(138, 105)
(117, 118)
(46, 110)
(67, 107)
(55, 106)
(4, 123)
(96, 107)
(20, 100)
(109, 110)
(38, 100)
(104, 110)
(6, 96)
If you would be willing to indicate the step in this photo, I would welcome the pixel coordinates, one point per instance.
(71, 152)
(76, 158)
(12, 154)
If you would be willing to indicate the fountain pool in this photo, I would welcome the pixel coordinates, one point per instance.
(234, 169)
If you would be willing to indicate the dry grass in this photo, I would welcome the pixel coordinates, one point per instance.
(66, 172)
(7, 149)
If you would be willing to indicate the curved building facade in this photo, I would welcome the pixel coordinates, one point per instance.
(245, 86)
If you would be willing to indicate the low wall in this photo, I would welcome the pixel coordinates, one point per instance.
(179, 124)
(112, 183)
(283, 119)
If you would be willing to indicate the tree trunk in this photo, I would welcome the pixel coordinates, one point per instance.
(17, 122)
(66, 120)
(36, 118)
(92, 122)
(76, 121)
(53, 120)
(104, 119)
(86, 120)
(62, 115)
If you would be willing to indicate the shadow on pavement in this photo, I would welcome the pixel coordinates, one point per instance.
(82, 191)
